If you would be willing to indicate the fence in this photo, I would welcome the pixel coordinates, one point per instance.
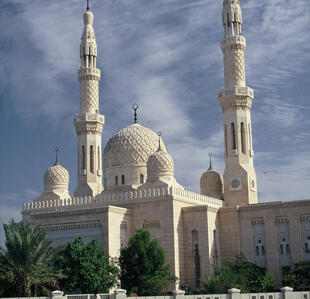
(286, 293)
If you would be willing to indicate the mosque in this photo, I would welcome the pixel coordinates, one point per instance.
(197, 231)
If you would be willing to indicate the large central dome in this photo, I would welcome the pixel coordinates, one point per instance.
(131, 146)
(125, 156)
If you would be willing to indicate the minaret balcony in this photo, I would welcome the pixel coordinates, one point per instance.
(237, 91)
(89, 73)
(89, 117)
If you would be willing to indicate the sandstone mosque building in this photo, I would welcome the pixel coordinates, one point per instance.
(197, 231)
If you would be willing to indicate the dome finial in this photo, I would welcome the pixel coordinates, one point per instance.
(210, 156)
(135, 108)
(87, 6)
(56, 151)
(159, 134)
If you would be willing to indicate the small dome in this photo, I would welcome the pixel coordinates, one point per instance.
(160, 164)
(131, 146)
(56, 177)
(211, 184)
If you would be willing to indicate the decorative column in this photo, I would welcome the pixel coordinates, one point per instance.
(89, 123)
(236, 101)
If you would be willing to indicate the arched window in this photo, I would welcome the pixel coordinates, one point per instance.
(123, 179)
(116, 180)
(91, 160)
(233, 136)
(196, 257)
(141, 178)
(242, 138)
(98, 158)
(225, 136)
(83, 157)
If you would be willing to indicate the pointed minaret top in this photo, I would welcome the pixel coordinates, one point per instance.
(210, 156)
(135, 108)
(56, 151)
(87, 6)
(159, 147)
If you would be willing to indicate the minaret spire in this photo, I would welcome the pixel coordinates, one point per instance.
(236, 101)
(87, 5)
(89, 123)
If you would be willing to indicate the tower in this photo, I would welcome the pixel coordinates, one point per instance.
(236, 101)
(89, 123)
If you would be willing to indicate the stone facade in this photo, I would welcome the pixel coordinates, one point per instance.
(197, 231)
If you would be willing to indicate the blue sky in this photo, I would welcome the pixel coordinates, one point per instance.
(164, 55)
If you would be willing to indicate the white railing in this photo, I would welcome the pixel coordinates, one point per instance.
(123, 197)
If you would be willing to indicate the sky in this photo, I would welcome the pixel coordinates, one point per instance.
(164, 55)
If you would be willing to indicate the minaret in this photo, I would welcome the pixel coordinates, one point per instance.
(236, 101)
(89, 123)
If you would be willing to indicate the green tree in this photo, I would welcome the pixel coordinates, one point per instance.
(299, 277)
(86, 268)
(25, 263)
(239, 274)
(143, 268)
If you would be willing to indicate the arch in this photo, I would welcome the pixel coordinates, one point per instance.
(99, 157)
(91, 159)
(225, 137)
(83, 158)
(233, 136)
(141, 178)
(123, 179)
(196, 257)
(242, 132)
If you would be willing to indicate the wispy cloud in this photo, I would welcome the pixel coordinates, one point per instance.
(164, 55)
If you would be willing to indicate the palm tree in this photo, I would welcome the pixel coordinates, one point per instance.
(25, 263)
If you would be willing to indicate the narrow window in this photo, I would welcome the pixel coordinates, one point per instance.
(228, 20)
(105, 183)
(196, 257)
(83, 157)
(263, 250)
(306, 247)
(281, 249)
(250, 139)
(257, 250)
(98, 158)
(287, 249)
(242, 138)
(225, 136)
(91, 160)
(123, 179)
(233, 136)
(141, 178)
(116, 180)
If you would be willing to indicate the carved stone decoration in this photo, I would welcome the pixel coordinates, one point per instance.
(160, 163)
(89, 95)
(56, 176)
(131, 146)
(211, 184)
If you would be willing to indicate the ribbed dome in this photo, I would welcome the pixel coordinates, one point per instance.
(56, 177)
(160, 164)
(131, 146)
(211, 183)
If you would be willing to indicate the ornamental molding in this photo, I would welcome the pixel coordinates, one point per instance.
(281, 219)
(236, 101)
(151, 224)
(305, 218)
(258, 221)
(69, 226)
(199, 209)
